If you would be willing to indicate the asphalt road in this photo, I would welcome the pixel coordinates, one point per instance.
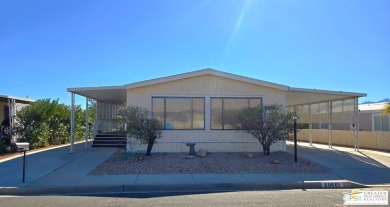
(299, 198)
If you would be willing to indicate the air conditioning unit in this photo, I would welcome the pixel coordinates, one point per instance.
(22, 146)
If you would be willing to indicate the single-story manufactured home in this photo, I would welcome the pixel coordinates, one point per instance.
(200, 106)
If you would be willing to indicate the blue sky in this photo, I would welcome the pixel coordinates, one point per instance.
(48, 46)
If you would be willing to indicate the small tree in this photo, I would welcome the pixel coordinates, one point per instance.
(268, 124)
(138, 123)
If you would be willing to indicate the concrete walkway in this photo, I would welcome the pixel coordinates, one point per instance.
(58, 171)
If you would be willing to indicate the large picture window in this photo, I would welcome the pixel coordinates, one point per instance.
(224, 111)
(179, 112)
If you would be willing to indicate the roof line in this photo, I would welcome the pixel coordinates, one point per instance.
(17, 98)
(96, 87)
(207, 71)
(345, 93)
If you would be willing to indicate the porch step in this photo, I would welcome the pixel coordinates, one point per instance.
(109, 140)
(109, 145)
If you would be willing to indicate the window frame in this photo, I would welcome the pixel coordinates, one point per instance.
(381, 124)
(223, 107)
(192, 110)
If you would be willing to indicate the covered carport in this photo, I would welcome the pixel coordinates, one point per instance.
(324, 109)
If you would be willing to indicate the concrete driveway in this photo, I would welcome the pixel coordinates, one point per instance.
(44, 163)
(367, 167)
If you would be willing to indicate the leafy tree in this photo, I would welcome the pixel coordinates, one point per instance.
(268, 124)
(138, 123)
(92, 109)
(47, 122)
(386, 110)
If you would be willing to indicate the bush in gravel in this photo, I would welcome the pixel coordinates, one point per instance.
(268, 124)
(138, 123)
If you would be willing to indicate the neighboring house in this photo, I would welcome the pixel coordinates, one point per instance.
(201, 106)
(371, 117)
(9, 105)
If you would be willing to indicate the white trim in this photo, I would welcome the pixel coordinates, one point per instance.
(96, 88)
(239, 96)
(341, 93)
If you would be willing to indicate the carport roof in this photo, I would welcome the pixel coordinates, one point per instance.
(5, 98)
(298, 96)
(117, 95)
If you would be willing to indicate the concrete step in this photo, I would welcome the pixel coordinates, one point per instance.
(109, 142)
(110, 138)
(110, 135)
(109, 145)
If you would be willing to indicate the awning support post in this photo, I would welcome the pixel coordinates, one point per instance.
(11, 115)
(86, 123)
(72, 112)
(330, 123)
(310, 127)
(356, 122)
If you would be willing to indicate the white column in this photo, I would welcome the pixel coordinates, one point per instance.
(72, 112)
(356, 122)
(86, 136)
(310, 127)
(330, 111)
(11, 114)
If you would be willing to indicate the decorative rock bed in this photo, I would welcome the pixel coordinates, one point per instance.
(217, 162)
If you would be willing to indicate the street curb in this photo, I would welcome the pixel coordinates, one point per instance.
(208, 187)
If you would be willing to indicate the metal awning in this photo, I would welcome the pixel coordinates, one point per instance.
(299, 96)
(115, 95)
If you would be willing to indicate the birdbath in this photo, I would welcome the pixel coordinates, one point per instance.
(192, 147)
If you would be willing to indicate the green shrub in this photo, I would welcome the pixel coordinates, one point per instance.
(47, 122)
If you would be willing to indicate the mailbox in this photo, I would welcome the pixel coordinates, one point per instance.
(22, 146)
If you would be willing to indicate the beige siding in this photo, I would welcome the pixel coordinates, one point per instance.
(213, 141)
(365, 121)
(369, 140)
(206, 86)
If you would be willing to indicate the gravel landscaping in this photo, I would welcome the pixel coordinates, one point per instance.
(215, 162)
